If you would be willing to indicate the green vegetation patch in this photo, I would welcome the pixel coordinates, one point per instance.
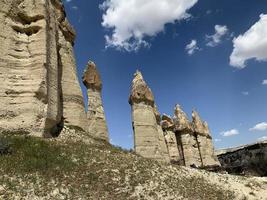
(31, 154)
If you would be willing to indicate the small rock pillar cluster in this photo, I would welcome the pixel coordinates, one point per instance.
(96, 116)
(145, 120)
(170, 139)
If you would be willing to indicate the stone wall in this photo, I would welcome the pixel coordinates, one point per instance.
(39, 86)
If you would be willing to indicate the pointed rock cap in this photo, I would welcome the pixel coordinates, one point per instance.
(140, 91)
(206, 129)
(91, 77)
(197, 123)
(167, 122)
(181, 120)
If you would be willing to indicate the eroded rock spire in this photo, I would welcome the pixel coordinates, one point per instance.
(97, 121)
(148, 139)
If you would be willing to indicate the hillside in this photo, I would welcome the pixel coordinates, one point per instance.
(77, 166)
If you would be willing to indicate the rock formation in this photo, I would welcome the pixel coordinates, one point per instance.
(175, 140)
(204, 141)
(162, 142)
(245, 160)
(96, 116)
(39, 86)
(145, 126)
(171, 140)
(187, 140)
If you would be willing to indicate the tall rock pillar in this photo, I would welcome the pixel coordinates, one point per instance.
(205, 144)
(187, 140)
(171, 140)
(96, 116)
(146, 136)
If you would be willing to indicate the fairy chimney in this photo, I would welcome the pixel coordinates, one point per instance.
(96, 115)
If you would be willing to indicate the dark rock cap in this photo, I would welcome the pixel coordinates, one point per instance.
(140, 91)
(91, 77)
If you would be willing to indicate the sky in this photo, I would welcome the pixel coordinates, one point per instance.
(207, 55)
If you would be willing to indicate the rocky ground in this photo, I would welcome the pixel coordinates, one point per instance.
(80, 167)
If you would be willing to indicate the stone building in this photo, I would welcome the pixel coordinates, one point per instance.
(39, 86)
(97, 125)
(144, 120)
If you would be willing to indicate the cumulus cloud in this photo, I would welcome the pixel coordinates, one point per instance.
(259, 127)
(251, 45)
(230, 133)
(262, 138)
(130, 21)
(264, 82)
(192, 47)
(216, 38)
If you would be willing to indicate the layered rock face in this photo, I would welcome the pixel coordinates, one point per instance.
(245, 160)
(175, 140)
(96, 116)
(39, 85)
(171, 140)
(187, 140)
(204, 139)
(146, 135)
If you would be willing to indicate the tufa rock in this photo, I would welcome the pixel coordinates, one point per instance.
(204, 139)
(96, 115)
(170, 138)
(40, 89)
(140, 92)
(145, 125)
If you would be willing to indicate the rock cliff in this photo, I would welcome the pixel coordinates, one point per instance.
(245, 160)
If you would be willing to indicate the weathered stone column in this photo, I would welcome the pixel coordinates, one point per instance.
(162, 142)
(170, 138)
(39, 85)
(96, 116)
(146, 136)
(187, 141)
(205, 144)
(73, 100)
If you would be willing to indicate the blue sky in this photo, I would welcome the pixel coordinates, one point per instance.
(207, 54)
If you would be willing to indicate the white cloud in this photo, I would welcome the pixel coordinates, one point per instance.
(217, 140)
(132, 20)
(252, 44)
(245, 93)
(68, 1)
(259, 127)
(230, 133)
(262, 138)
(216, 38)
(264, 82)
(192, 47)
